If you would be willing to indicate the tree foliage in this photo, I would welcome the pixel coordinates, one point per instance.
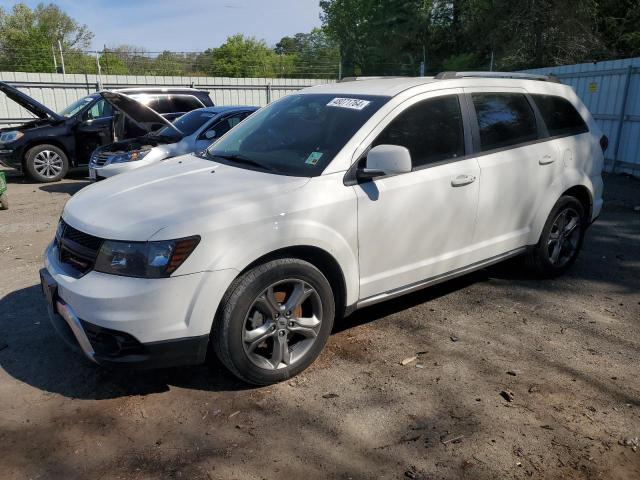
(28, 36)
(366, 37)
(393, 36)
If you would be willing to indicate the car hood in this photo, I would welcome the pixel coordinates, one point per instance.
(186, 190)
(28, 103)
(143, 116)
(144, 142)
(23, 127)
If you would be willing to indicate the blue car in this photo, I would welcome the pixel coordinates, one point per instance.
(193, 131)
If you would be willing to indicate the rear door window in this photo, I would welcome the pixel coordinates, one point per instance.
(504, 119)
(227, 124)
(559, 115)
(432, 131)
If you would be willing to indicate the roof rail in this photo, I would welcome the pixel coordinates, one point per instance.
(357, 79)
(514, 75)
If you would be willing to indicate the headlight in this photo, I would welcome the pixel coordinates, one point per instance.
(144, 259)
(8, 137)
(131, 156)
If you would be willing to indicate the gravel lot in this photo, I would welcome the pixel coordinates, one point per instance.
(568, 351)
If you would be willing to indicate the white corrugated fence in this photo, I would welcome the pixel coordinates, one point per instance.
(611, 91)
(56, 91)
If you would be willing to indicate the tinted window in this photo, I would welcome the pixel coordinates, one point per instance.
(187, 124)
(161, 105)
(100, 109)
(298, 134)
(227, 124)
(431, 130)
(185, 103)
(504, 119)
(559, 115)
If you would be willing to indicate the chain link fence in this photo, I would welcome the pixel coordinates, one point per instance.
(166, 63)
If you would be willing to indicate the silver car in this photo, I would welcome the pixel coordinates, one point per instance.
(191, 132)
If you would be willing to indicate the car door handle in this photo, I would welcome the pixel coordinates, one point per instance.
(462, 180)
(546, 160)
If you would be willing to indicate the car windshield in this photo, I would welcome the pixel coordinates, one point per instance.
(187, 124)
(298, 135)
(76, 106)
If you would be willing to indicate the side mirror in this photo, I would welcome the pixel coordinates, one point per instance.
(386, 160)
(210, 134)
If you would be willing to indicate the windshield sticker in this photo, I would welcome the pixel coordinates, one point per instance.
(313, 158)
(350, 103)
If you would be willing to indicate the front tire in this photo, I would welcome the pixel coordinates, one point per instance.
(561, 239)
(274, 321)
(46, 163)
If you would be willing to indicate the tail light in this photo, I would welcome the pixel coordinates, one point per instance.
(604, 142)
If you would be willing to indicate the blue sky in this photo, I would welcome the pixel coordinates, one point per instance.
(186, 25)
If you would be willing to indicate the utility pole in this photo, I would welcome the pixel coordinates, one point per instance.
(98, 71)
(106, 58)
(340, 69)
(55, 62)
(61, 56)
(491, 64)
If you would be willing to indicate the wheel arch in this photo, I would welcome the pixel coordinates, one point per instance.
(580, 189)
(41, 141)
(319, 258)
(583, 195)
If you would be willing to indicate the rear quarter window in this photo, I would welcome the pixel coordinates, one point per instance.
(560, 116)
(185, 103)
(161, 104)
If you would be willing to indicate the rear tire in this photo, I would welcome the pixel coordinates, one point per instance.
(274, 321)
(561, 239)
(46, 163)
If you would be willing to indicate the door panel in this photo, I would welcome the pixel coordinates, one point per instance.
(94, 130)
(415, 226)
(514, 180)
(419, 224)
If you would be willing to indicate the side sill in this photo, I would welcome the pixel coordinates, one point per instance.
(381, 297)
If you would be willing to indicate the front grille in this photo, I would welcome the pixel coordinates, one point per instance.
(77, 249)
(99, 159)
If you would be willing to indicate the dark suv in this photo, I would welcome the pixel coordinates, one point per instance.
(46, 148)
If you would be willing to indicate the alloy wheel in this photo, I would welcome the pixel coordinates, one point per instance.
(564, 237)
(282, 324)
(48, 164)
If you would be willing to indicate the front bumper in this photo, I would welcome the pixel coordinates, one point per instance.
(140, 322)
(10, 158)
(112, 169)
(114, 348)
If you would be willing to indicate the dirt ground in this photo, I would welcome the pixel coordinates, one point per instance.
(568, 351)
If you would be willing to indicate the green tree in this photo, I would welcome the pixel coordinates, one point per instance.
(239, 56)
(529, 34)
(27, 36)
(310, 54)
(377, 38)
(618, 23)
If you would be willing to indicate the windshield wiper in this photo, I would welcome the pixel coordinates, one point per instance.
(234, 157)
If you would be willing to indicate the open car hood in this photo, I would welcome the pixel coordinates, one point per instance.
(140, 114)
(28, 103)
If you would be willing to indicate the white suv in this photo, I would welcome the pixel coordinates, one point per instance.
(328, 200)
